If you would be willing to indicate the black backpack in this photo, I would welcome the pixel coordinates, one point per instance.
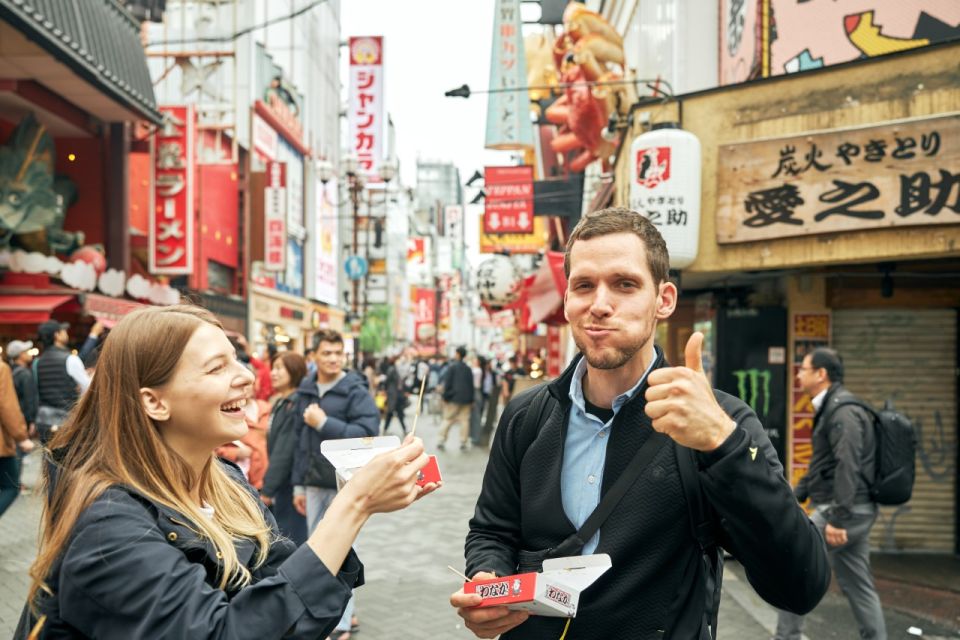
(702, 524)
(896, 449)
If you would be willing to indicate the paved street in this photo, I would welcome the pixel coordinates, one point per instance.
(408, 584)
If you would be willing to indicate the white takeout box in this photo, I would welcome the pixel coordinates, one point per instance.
(349, 454)
(554, 592)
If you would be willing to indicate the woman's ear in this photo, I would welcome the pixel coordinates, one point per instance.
(154, 404)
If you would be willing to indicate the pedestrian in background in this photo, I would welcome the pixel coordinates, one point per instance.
(334, 404)
(13, 434)
(21, 355)
(61, 378)
(289, 370)
(396, 395)
(844, 446)
(310, 357)
(146, 534)
(457, 391)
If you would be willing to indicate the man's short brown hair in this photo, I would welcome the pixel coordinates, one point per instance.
(622, 220)
(326, 335)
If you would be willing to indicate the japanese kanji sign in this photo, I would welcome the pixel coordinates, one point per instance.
(365, 108)
(171, 236)
(508, 112)
(515, 242)
(275, 217)
(904, 173)
(508, 205)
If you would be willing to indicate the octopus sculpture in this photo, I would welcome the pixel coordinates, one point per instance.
(589, 66)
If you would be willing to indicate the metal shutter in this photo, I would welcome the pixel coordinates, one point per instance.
(911, 357)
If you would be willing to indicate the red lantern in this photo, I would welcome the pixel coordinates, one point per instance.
(92, 256)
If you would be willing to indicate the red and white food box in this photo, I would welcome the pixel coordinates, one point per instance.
(350, 454)
(554, 592)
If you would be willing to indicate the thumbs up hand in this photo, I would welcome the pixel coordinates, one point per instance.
(681, 404)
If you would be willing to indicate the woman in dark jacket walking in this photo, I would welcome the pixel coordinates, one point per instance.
(146, 534)
(288, 371)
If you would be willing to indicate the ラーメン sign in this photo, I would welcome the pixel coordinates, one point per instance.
(904, 173)
(171, 235)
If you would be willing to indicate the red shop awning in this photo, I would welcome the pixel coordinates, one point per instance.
(109, 310)
(23, 309)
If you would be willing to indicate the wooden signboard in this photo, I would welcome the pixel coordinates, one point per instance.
(904, 173)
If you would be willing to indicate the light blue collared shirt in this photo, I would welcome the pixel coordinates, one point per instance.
(585, 453)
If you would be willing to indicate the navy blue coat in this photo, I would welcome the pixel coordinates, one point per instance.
(135, 568)
(351, 413)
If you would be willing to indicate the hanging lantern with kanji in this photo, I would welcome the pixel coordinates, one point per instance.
(665, 187)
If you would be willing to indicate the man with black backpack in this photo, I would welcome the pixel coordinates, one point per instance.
(844, 457)
(625, 455)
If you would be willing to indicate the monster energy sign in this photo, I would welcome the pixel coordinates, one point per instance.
(753, 378)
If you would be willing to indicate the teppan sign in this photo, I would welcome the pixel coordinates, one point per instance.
(904, 173)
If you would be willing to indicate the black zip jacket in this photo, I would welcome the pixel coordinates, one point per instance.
(844, 452)
(655, 588)
(135, 568)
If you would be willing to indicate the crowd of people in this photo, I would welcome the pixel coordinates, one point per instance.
(186, 493)
(296, 402)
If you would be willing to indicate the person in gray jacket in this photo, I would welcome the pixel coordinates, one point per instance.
(147, 535)
(844, 445)
(334, 404)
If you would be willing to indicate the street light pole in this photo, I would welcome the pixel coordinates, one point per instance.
(355, 187)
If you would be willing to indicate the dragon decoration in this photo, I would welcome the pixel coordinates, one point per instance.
(33, 201)
(584, 68)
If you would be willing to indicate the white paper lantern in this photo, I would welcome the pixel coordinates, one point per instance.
(665, 187)
(498, 281)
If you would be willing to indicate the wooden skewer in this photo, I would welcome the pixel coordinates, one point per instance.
(416, 417)
(465, 578)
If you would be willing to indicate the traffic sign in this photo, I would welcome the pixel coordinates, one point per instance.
(356, 267)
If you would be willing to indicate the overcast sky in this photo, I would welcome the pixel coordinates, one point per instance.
(423, 60)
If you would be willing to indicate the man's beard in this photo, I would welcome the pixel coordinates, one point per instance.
(609, 357)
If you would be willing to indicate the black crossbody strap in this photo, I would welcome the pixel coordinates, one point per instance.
(641, 460)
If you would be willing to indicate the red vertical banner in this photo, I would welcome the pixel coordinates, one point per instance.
(365, 114)
(508, 201)
(554, 364)
(810, 330)
(171, 228)
(275, 217)
(424, 303)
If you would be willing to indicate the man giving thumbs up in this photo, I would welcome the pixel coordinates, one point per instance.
(619, 407)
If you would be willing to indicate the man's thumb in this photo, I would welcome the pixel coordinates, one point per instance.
(693, 354)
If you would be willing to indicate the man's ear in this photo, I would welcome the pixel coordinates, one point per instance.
(154, 404)
(666, 300)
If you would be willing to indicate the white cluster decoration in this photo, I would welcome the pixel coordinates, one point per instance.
(498, 281)
(111, 282)
(20, 261)
(79, 275)
(138, 287)
(82, 275)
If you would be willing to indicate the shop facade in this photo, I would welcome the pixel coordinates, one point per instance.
(67, 116)
(830, 215)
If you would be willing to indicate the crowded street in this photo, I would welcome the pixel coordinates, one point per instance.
(409, 582)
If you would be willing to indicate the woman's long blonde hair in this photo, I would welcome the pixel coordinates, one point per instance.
(109, 440)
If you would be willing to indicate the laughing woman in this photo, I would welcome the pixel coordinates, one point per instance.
(147, 535)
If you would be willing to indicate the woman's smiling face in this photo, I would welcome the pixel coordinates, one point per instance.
(206, 396)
